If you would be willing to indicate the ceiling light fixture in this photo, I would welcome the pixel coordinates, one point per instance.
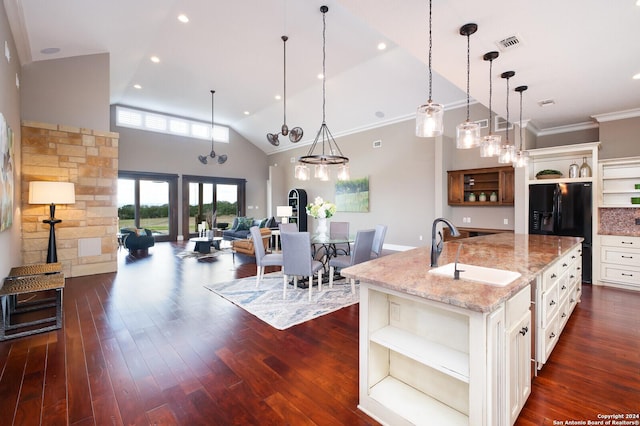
(204, 159)
(491, 144)
(331, 153)
(296, 133)
(183, 18)
(508, 151)
(430, 116)
(468, 133)
(522, 157)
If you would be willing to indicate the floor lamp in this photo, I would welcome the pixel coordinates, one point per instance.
(52, 193)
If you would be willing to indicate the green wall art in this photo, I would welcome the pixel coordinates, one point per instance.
(353, 195)
(6, 175)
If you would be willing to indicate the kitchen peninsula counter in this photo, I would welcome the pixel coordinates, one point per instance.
(408, 271)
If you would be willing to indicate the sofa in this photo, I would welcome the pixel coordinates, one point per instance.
(246, 246)
(240, 228)
(137, 239)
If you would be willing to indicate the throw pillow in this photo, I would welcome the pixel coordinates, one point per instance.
(141, 232)
(234, 226)
(272, 223)
(263, 223)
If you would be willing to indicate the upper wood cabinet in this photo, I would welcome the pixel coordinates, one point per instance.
(498, 180)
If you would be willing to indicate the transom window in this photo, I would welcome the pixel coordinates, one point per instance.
(162, 123)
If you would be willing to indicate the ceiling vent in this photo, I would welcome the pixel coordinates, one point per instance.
(509, 43)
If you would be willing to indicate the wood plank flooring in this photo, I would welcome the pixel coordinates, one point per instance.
(149, 345)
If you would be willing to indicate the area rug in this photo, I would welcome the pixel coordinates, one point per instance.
(266, 303)
(190, 254)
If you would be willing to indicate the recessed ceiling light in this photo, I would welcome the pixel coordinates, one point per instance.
(278, 97)
(183, 18)
(50, 50)
(382, 45)
(320, 76)
(155, 59)
(246, 113)
(137, 86)
(637, 76)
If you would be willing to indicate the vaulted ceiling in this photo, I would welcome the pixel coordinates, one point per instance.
(581, 54)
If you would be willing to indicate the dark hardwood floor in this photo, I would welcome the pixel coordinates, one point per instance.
(150, 345)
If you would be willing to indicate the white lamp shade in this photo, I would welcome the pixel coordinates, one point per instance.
(284, 211)
(52, 193)
(467, 135)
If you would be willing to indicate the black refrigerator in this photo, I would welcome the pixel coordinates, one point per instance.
(563, 209)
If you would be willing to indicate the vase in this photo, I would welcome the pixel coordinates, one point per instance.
(322, 228)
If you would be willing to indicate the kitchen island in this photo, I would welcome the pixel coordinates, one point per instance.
(434, 350)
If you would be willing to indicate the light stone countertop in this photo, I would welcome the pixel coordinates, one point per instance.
(408, 272)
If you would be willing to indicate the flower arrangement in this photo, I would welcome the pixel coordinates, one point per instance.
(320, 209)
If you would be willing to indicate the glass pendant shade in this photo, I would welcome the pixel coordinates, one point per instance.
(430, 120)
(490, 146)
(467, 135)
(302, 172)
(507, 154)
(343, 172)
(321, 172)
(521, 159)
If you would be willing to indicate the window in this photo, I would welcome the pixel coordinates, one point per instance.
(162, 123)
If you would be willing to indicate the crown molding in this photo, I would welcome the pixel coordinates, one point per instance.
(619, 115)
(587, 125)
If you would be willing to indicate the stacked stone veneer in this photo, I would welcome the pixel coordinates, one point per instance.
(89, 159)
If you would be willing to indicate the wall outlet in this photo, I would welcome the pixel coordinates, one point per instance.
(506, 221)
(637, 220)
(395, 311)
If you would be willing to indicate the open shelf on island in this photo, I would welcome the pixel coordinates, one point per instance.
(415, 406)
(437, 356)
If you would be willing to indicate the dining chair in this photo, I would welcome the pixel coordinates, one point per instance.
(361, 253)
(262, 258)
(339, 230)
(378, 240)
(288, 227)
(297, 260)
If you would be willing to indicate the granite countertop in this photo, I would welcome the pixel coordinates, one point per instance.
(408, 272)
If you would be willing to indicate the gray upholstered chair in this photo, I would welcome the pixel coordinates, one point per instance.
(297, 261)
(288, 227)
(361, 252)
(378, 240)
(262, 258)
(339, 230)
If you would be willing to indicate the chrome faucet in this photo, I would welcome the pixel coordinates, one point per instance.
(436, 248)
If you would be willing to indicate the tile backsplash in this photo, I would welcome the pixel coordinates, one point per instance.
(619, 221)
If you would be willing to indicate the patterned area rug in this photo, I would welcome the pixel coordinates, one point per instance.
(190, 254)
(266, 303)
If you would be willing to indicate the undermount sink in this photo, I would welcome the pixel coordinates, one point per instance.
(481, 274)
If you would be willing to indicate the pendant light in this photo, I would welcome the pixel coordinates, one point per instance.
(296, 133)
(430, 116)
(522, 156)
(490, 144)
(204, 159)
(330, 153)
(508, 151)
(468, 133)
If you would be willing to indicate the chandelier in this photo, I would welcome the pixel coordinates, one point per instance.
(329, 152)
(522, 157)
(204, 159)
(468, 133)
(508, 150)
(490, 145)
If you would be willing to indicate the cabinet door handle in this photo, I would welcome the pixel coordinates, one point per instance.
(572, 276)
(626, 275)
(573, 257)
(552, 335)
(564, 287)
(627, 242)
(553, 275)
(524, 330)
(626, 257)
(553, 302)
(564, 315)
(564, 265)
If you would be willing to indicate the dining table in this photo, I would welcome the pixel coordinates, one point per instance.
(324, 247)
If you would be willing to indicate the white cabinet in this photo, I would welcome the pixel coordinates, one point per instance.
(620, 261)
(560, 158)
(518, 356)
(558, 291)
(620, 182)
(424, 362)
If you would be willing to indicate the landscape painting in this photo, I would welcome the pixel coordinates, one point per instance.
(353, 195)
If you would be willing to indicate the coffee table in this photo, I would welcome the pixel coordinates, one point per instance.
(203, 244)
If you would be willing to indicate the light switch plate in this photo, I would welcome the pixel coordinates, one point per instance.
(7, 52)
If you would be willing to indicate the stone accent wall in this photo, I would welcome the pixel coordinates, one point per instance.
(622, 221)
(89, 159)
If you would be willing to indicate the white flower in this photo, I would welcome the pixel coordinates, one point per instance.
(321, 209)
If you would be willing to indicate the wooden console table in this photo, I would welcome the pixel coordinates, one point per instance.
(25, 280)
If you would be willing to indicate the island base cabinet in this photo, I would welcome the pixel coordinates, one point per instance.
(424, 362)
